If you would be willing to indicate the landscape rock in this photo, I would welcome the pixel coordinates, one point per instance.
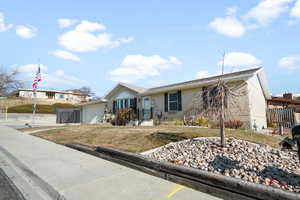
(238, 159)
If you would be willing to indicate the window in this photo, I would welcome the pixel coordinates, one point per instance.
(61, 96)
(121, 106)
(50, 95)
(125, 103)
(173, 101)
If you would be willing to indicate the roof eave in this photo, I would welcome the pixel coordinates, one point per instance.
(93, 102)
(264, 84)
(197, 84)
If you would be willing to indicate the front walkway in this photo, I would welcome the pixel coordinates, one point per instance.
(56, 169)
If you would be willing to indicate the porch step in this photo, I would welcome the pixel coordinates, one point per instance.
(147, 123)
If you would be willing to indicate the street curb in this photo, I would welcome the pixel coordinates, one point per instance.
(46, 189)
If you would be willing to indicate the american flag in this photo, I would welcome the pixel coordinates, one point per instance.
(38, 78)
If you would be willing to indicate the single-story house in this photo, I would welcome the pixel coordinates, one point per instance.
(284, 101)
(55, 96)
(175, 101)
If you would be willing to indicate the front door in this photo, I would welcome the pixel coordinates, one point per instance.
(146, 108)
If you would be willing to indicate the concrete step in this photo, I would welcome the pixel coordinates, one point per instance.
(147, 123)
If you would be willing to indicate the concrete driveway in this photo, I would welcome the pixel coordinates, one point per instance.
(56, 171)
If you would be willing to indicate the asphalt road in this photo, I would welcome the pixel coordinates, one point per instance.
(8, 191)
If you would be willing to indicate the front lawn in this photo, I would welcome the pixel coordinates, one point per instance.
(141, 138)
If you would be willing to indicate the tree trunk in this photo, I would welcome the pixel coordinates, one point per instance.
(222, 125)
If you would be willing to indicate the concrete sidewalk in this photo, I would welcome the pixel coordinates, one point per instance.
(57, 172)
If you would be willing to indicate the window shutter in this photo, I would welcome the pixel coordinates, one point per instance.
(114, 107)
(166, 102)
(179, 100)
(134, 103)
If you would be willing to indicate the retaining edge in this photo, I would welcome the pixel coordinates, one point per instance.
(203, 181)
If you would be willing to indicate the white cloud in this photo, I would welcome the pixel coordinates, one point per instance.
(26, 32)
(239, 61)
(87, 26)
(83, 38)
(267, 11)
(4, 27)
(290, 62)
(31, 68)
(174, 60)
(203, 74)
(295, 12)
(231, 11)
(60, 72)
(65, 55)
(137, 67)
(57, 80)
(64, 22)
(62, 81)
(229, 26)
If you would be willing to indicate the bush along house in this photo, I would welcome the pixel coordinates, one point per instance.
(144, 106)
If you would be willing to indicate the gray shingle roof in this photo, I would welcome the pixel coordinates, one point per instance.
(134, 87)
(189, 84)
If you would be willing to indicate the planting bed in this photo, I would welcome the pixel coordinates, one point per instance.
(239, 159)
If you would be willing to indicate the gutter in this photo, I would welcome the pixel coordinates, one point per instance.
(196, 84)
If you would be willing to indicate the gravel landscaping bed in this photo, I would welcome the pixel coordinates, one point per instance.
(238, 159)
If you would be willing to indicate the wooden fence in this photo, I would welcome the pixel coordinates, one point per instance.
(281, 116)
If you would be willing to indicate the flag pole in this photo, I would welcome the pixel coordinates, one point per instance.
(34, 94)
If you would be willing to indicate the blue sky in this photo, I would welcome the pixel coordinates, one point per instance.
(149, 43)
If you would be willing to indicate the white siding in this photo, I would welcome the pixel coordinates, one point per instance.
(92, 114)
(257, 103)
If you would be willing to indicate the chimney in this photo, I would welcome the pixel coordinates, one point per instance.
(288, 96)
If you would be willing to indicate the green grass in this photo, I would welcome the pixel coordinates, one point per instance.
(46, 109)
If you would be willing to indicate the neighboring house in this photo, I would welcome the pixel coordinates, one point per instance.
(174, 101)
(54, 96)
(286, 101)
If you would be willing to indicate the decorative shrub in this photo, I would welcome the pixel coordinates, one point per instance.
(272, 125)
(123, 117)
(178, 123)
(202, 121)
(233, 124)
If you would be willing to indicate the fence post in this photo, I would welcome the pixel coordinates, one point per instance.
(280, 129)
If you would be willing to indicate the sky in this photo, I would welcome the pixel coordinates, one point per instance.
(149, 43)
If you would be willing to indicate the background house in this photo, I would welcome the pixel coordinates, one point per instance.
(53, 96)
(285, 101)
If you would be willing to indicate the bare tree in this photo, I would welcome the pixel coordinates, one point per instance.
(216, 101)
(85, 91)
(9, 81)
